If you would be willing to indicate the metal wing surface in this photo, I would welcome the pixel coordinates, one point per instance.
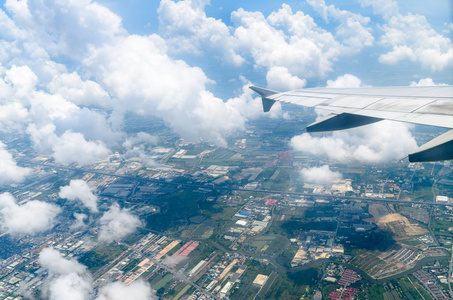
(352, 107)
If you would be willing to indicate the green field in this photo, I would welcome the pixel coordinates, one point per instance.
(161, 283)
(101, 255)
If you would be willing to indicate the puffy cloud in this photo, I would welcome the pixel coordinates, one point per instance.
(186, 29)
(66, 28)
(116, 224)
(140, 138)
(9, 171)
(29, 218)
(79, 190)
(385, 8)
(136, 147)
(72, 147)
(426, 82)
(382, 141)
(322, 175)
(345, 81)
(67, 279)
(12, 116)
(278, 78)
(80, 221)
(138, 72)
(351, 30)
(137, 290)
(293, 41)
(412, 38)
(79, 92)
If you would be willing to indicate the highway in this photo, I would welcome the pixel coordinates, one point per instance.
(215, 187)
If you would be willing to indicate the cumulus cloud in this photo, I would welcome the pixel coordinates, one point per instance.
(385, 8)
(382, 141)
(66, 28)
(116, 224)
(187, 29)
(72, 147)
(9, 171)
(67, 279)
(278, 78)
(287, 39)
(426, 82)
(140, 138)
(29, 218)
(352, 30)
(73, 88)
(137, 290)
(79, 221)
(412, 38)
(345, 81)
(322, 175)
(12, 116)
(79, 190)
(139, 73)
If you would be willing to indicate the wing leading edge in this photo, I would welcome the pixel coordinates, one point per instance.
(353, 107)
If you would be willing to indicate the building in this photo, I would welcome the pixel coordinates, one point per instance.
(260, 280)
(442, 199)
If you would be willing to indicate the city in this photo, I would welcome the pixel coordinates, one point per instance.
(238, 222)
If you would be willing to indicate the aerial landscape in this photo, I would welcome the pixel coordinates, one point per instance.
(136, 162)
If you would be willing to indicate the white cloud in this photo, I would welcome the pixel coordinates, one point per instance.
(278, 78)
(79, 92)
(293, 41)
(412, 38)
(322, 175)
(116, 224)
(79, 190)
(9, 171)
(351, 31)
(73, 148)
(12, 116)
(80, 221)
(66, 28)
(70, 147)
(426, 82)
(140, 138)
(345, 81)
(29, 218)
(137, 290)
(137, 71)
(385, 8)
(186, 29)
(382, 141)
(67, 279)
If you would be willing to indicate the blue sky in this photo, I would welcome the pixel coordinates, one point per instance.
(141, 17)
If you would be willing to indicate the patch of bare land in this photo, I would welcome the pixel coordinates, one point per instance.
(394, 222)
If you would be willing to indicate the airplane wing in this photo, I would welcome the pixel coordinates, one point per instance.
(352, 107)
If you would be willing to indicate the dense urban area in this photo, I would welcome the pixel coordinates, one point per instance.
(239, 222)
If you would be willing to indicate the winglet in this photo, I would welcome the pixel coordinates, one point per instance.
(264, 93)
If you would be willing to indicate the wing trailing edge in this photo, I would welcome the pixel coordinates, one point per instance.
(439, 148)
(264, 93)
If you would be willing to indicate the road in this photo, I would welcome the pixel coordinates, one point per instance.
(183, 277)
(450, 269)
(215, 187)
